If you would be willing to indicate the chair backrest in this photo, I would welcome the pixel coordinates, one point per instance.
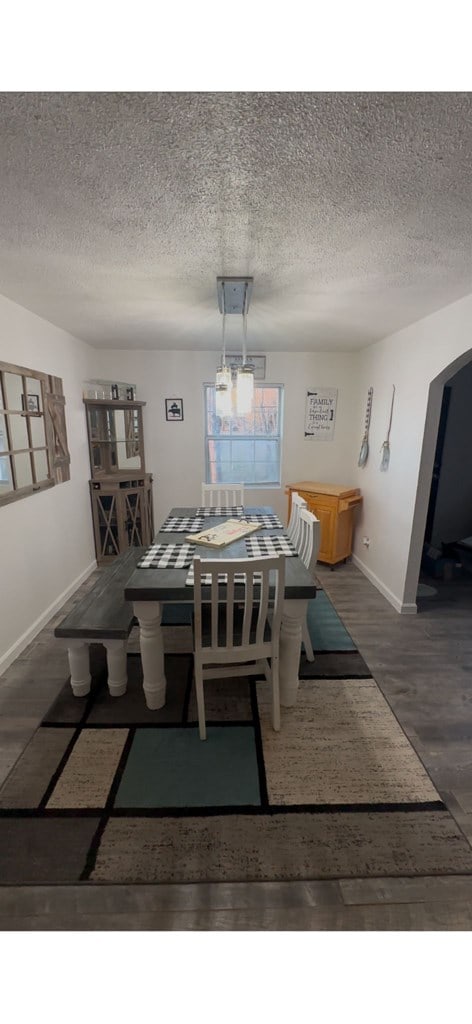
(238, 595)
(309, 536)
(293, 527)
(227, 495)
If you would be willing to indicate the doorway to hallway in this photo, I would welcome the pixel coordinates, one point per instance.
(447, 548)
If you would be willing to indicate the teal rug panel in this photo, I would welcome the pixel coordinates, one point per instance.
(177, 615)
(327, 632)
(173, 767)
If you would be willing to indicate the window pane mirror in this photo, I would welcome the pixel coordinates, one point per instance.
(6, 482)
(14, 397)
(23, 471)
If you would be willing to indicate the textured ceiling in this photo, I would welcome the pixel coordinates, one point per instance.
(352, 211)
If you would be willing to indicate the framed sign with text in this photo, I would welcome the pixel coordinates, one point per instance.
(320, 414)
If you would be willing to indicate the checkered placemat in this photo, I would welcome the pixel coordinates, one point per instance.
(266, 522)
(240, 577)
(261, 547)
(168, 556)
(220, 510)
(181, 524)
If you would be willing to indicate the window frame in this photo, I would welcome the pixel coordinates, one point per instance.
(255, 485)
(16, 493)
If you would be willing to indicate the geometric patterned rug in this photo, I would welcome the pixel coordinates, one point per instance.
(110, 792)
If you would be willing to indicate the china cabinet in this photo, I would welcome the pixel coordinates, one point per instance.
(120, 488)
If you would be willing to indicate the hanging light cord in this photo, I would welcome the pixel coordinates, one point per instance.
(245, 326)
(223, 359)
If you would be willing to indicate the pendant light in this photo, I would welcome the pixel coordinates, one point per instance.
(223, 382)
(245, 375)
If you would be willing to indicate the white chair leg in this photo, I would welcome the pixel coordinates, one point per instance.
(307, 642)
(79, 664)
(275, 694)
(200, 702)
(117, 670)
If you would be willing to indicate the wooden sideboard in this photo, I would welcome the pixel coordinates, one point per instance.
(334, 506)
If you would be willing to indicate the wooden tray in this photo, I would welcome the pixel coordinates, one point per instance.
(225, 533)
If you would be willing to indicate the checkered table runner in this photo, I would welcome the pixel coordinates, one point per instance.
(240, 577)
(220, 510)
(181, 524)
(262, 547)
(266, 522)
(168, 556)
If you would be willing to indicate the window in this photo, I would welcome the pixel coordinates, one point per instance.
(245, 448)
(31, 457)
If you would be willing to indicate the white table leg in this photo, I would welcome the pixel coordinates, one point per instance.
(79, 664)
(148, 614)
(293, 617)
(117, 671)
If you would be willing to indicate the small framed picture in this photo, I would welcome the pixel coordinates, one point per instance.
(174, 408)
(30, 404)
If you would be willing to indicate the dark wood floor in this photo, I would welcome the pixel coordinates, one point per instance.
(423, 665)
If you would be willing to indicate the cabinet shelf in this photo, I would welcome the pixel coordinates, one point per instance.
(115, 403)
(115, 440)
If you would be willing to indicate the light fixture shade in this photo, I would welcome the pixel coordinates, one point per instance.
(223, 385)
(244, 389)
(223, 377)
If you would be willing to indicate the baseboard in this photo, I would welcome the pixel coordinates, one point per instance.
(400, 606)
(16, 649)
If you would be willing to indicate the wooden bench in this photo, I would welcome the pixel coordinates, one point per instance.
(102, 616)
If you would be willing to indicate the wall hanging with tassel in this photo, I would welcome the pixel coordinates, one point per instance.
(385, 449)
(364, 452)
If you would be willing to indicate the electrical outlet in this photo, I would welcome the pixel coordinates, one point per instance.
(366, 541)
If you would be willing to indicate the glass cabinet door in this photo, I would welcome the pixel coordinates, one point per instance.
(115, 437)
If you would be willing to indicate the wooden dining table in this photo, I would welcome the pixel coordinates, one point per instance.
(149, 588)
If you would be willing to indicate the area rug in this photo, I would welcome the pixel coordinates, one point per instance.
(110, 792)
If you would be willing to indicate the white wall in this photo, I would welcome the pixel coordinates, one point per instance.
(418, 360)
(175, 451)
(46, 540)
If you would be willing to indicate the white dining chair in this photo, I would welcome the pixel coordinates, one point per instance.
(214, 495)
(308, 545)
(233, 635)
(293, 527)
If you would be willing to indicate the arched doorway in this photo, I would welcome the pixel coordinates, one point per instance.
(425, 515)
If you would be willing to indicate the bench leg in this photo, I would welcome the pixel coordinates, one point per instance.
(149, 614)
(116, 662)
(79, 664)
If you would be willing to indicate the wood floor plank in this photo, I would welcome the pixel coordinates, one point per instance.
(440, 916)
(431, 889)
(47, 900)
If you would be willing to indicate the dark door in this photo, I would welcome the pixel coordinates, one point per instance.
(437, 464)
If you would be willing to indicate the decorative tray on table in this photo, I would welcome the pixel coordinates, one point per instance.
(225, 533)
